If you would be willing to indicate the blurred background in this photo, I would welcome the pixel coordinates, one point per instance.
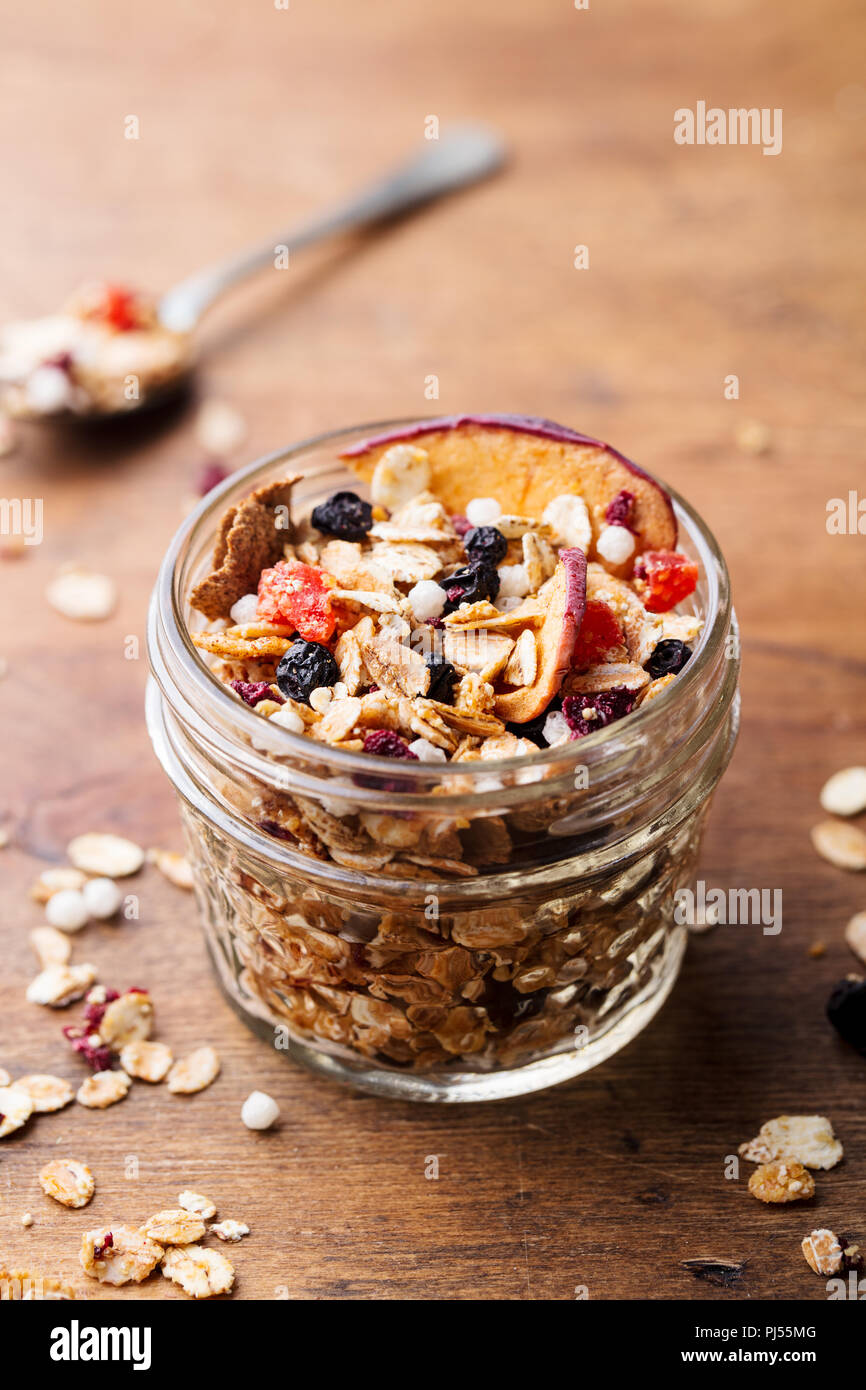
(703, 263)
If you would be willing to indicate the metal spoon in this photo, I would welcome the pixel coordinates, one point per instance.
(462, 156)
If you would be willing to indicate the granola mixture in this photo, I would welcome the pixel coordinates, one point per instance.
(106, 351)
(509, 587)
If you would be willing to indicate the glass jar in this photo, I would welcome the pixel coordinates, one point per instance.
(450, 932)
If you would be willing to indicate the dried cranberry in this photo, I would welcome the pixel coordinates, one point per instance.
(305, 667)
(107, 1244)
(608, 706)
(90, 1046)
(211, 475)
(461, 524)
(386, 744)
(486, 543)
(619, 509)
(442, 678)
(669, 656)
(846, 1010)
(476, 581)
(94, 1011)
(344, 514)
(253, 691)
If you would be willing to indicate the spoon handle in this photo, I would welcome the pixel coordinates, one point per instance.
(460, 157)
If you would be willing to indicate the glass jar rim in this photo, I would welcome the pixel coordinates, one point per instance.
(166, 621)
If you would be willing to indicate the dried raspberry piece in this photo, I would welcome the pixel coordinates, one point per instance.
(669, 577)
(599, 633)
(106, 1244)
(95, 1008)
(386, 744)
(619, 509)
(461, 525)
(90, 1045)
(296, 595)
(211, 475)
(586, 713)
(253, 691)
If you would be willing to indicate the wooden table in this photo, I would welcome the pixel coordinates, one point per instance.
(704, 262)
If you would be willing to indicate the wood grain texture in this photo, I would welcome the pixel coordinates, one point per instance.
(703, 262)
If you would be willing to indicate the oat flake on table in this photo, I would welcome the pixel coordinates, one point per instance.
(82, 594)
(106, 855)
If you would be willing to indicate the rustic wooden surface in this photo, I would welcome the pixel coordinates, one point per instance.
(703, 262)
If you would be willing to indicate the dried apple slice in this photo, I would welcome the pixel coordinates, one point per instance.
(524, 463)
(566, 606)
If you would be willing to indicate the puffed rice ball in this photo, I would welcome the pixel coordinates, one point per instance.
(48, 389)
(259, 1110)
(67, 910)
(556, 727)
(427, 599)
(286, 717)
(615, 544)
(102, 897)
(427, 752)
(513, 582)
(245, 610)
(568, 517)
(483, 511)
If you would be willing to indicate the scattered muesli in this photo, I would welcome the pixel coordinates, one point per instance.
(195, 1072)
(195, 1201)
(59, 985)
(823, 1252)
(51, 947)
(146, 1061)
(175, 867)
(200, 1272)
(175, 1227)
(81, 594)
(841, 844)
(16, 1107)
(105, 855)
(807, 1139)
(69, 1182)
(259, 1110)
(855, 935)
(126, 1019)
(102, 1089)
(782, 1182)
(119, 1255)
(230, 1230)
(47, 1093)
(844, 794)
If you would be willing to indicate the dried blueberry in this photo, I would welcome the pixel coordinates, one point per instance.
(669, 657)
(442, 678)
(606, 707)
(306, 666)
(846, 1010)
(345, 514)
(533, 728)
(486, 543)
(476, 581)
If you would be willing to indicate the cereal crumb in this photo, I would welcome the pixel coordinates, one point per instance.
(69, 1182)
(817, 949)
(195, 1072)
(219, 427)
(823, 1252)
(26, 1219)
(753, 437)
(147, 1061)
(199, 1272)
(807, 1139)
(782, 1182)
(102, 1089)
(194, 1201)
(230, 1230)
(840, 844)
(844, 794)
(175, 1227)
(106, 855)
(118, 1255)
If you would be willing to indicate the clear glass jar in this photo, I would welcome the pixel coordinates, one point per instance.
(535, 935)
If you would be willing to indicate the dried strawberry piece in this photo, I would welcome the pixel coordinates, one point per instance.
(117, 307)
(297, 595)
(253, 691)
(669, 577)
(619, 509)
(599, 633)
